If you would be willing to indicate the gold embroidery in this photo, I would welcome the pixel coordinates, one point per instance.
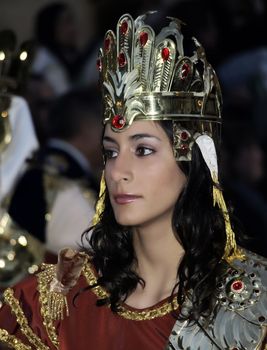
(159, 311)
(22, 320)
(149, 314)
(12, 341)
(91, 280)
(44, 279)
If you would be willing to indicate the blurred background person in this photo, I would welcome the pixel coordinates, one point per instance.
(58, 57)
(54, 199)
(20, 253)
(17, 135)
(243, 160)
(19, 141)
(40, 98)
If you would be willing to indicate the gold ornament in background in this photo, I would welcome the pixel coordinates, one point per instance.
(20, 253)
(5, 129)
(14, 67)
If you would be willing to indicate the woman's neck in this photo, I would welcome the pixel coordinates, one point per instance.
(157, 247)
(158, 256)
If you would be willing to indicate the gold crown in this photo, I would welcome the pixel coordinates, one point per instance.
(148, 77)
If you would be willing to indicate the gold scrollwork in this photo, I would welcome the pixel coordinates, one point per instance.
(22, 320)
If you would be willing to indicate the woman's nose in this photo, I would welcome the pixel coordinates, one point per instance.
(121, 168)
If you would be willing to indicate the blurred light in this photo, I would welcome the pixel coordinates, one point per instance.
(2, 56)
(1, 230)
(32, 269)
(22, 241)
(47, 216)
(7, 138)
(11, 256)
(4, 220)
(13, 241)
(4, 114)
(2, 263)
(23, 56)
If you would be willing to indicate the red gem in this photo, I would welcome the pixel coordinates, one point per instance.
(184, 135)
(237, 286)
(122, 59)
(143, 37)
(99, 64)
(118, 121)
(185, 70)
(107, 44)
(124, 27)
(184, 147)
(165, 54)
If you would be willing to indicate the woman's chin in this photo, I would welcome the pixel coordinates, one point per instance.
(127, 220)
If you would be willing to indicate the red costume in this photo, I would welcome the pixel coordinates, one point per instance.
(88, 326)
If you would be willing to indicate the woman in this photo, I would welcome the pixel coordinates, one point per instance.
(163, 270)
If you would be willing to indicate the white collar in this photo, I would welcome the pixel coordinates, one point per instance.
(71, 150)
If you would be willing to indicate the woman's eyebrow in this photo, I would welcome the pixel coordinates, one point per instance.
(140, 136)
(132, 137)
(109, 139)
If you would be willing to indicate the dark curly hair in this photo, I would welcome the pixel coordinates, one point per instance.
(199, 228)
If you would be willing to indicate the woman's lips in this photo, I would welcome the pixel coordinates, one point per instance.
(125, 198)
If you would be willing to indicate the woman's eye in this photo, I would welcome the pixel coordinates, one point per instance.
(109, 154)
(144, 151)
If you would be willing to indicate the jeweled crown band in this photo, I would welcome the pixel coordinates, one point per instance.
(164, 106)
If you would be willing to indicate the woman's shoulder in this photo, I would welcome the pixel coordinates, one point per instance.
(239, 317)
(252, 261)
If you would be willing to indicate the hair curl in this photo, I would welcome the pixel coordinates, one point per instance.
(199, 228)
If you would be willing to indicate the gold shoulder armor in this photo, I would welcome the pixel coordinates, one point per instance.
(239, 318)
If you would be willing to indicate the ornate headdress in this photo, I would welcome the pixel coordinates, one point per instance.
(149, 76)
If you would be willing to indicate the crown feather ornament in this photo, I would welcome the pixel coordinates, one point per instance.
(148, 77)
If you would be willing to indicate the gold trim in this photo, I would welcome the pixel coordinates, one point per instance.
(44, 279)
(12, 341)
(5, 126)
(22, 320)
(100, 204)
(91, 280)
(265, 339)
(144, 315)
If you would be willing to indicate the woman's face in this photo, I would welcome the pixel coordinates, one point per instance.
(142, 176)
